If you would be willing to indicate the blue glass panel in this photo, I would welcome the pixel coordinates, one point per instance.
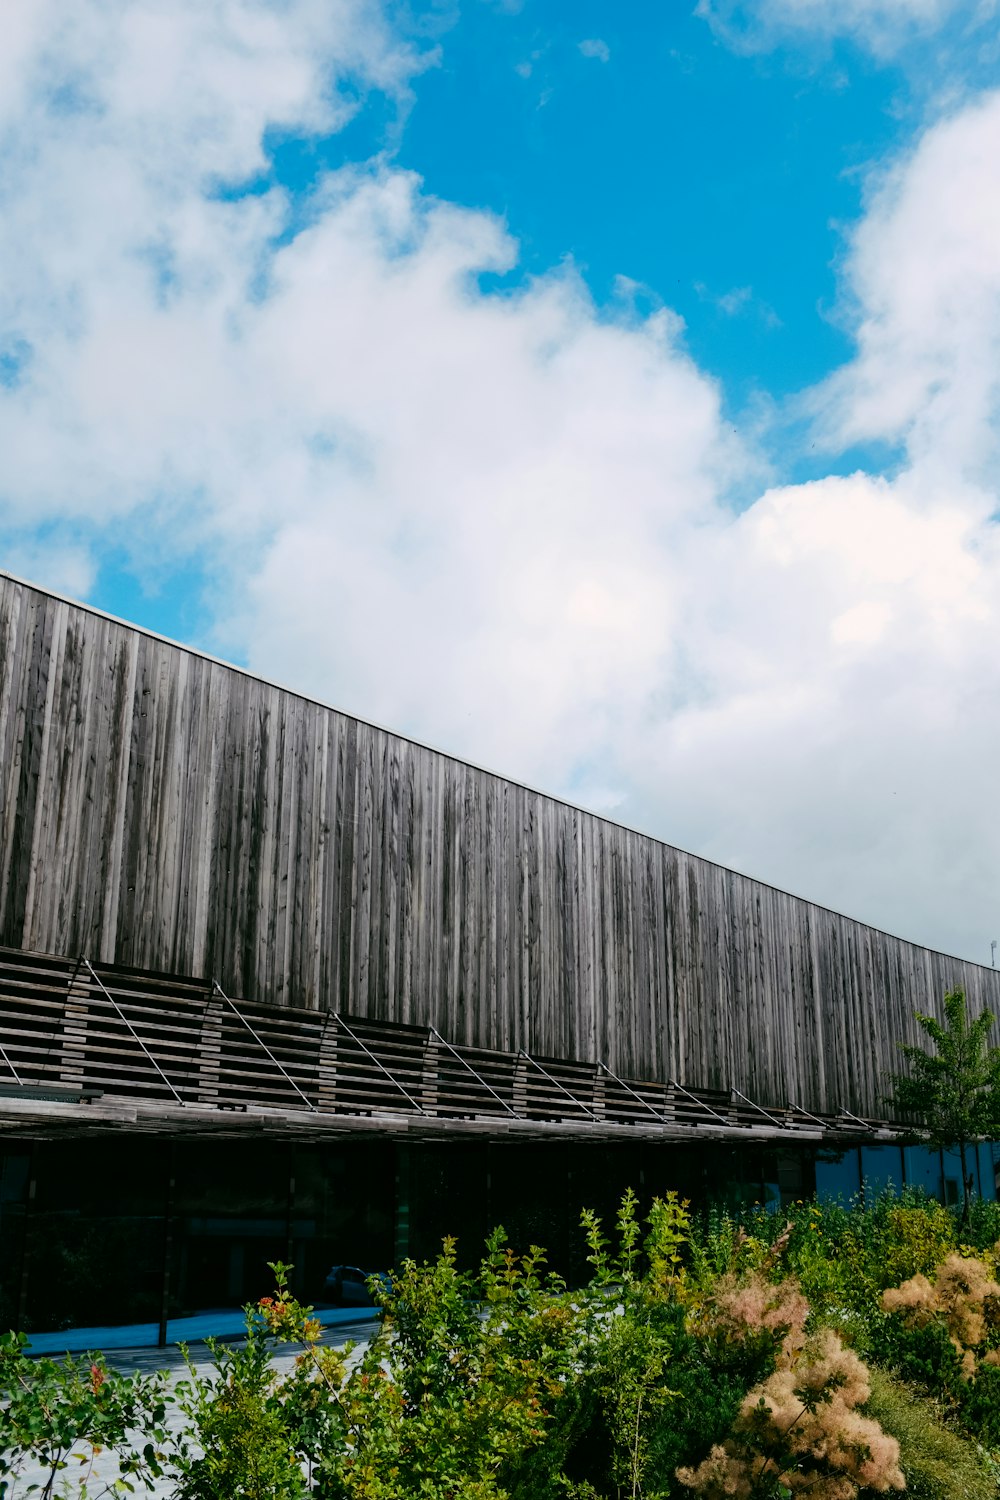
(838, 1179)
(952, 1175)
(881, 1169)
(923, 1169)
(991, 1171)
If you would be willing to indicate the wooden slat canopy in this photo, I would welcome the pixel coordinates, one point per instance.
(90, 1038)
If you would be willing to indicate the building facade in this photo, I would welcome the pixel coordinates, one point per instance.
(408, 976)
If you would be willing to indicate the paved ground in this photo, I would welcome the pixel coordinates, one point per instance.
(223, 1323)
(146, 1361)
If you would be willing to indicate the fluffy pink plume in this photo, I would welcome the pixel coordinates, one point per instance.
(827, 1453)
(743, 1307)
(957, 1297)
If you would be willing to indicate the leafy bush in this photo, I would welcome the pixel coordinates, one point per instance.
(728, 1351)
(452, 1396)
(239, 1442)
(61, 1413)
(800, 1432)
(956, 1300)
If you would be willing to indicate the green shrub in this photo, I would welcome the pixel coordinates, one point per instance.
(924, 1356)
(982, 1228)
(456, 1395)
(502, 1385)
(58, 1413)
(239, 1443)
(979, 1405)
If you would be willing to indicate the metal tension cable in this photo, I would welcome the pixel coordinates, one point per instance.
(823, 1124)
(701, 1103)
(378, 1063)
(572, 1097)
(758, 1107)
(218, 990)
(477, 1076)
(124, 1018)
(663, 1119)
(11, 1067)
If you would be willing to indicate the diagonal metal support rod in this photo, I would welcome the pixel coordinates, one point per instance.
(579, 1103)
(477, 1076)
(218, 990)
(823, 1124)
(379, 1064)
(85, 963)
(701, 1103)
(856, 1118)
(758, 1107)
(10, 1066)
(663, 1119)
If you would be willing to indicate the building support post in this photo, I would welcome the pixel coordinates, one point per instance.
(401, 1207)
(290, 1216)
(168, 1244)
(21, 1310)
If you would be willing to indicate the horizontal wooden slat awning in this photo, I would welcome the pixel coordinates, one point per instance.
(88, 1047)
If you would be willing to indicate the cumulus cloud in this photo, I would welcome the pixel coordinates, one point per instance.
(493, 520)
(499, 521)
(924, 270)
(840, 723)
(846, 632)
(126, 265)
(450, 511)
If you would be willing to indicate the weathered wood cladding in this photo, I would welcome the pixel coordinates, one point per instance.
(167, 812)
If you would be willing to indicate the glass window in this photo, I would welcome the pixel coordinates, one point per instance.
(95, 1234)
(991, 1166)
(445, 1188)
(838, 1175)
(343, 1212)
(230, 1217)
(14, 1164)
(881, 1170)
(923, 1169)
(952, 1163)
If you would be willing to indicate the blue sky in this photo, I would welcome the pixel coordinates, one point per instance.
(634, 141)
(607, 393)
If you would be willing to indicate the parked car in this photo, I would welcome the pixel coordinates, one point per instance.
(348, 1286)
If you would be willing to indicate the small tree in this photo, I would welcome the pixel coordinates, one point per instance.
(954, 1090)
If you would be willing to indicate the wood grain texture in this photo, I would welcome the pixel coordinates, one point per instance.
(167, 812)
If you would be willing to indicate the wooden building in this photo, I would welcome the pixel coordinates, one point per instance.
(166, 812)
(275, 983)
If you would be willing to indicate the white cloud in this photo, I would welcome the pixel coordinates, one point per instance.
(924, 266)
(498, 521)
(447, 510)
(846, 707)
(734, 302)
(841, 723)
(595, 48)
(67, 569)
(120, 332)
(881, 26)
(494, 532)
